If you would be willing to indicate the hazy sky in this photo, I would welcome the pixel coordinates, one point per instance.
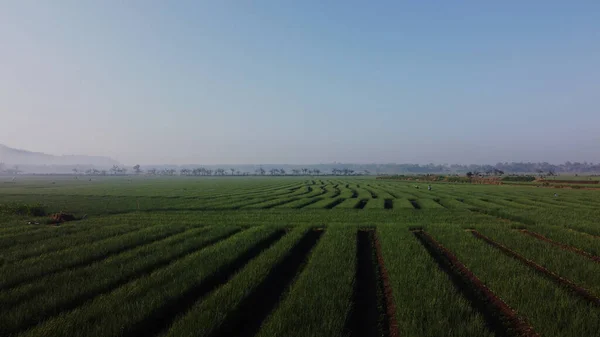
(228, 82)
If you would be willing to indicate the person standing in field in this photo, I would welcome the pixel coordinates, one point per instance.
(429, 187)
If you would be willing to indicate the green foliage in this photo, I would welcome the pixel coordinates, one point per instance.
(13, 208)
(185, 256)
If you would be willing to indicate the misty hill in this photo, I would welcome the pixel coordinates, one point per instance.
(11, 156)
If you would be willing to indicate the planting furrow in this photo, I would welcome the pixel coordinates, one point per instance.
(52, 245)
(162, 318)
(27, 239)
(502, 318)
(390, 324)
(373, 311)
(246, 319)
(283, 201)
(361, 204)
(415, 204)
(149, 304)
(319, 301)
(388, 204)
(75, 288)
(364, 318)
(80, 256)
(580, 291)
(334, 203)
(303, 203)
(561, 245)
(247, 290)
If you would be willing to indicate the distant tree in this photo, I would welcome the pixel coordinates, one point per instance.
(367, 172)
(123, 170)
(103, 172)
(304, 171)
(317, 171)
(238, 172)
(115, 169)
(151, 171)
(136, 169)
(260, 171)
(232, 171)
(282, 172)
(75, 170)
(470, 175)
(208, 172)
(540, 173)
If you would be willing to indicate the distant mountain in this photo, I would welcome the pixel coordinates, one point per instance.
(11, 156)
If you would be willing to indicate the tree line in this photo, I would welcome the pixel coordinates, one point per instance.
(318, 169)
(201, 171)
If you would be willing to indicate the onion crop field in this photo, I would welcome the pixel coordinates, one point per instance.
(297, 256)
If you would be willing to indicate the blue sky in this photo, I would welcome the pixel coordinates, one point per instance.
(227, 82)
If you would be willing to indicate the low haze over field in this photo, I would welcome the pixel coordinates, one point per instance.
(148, 82)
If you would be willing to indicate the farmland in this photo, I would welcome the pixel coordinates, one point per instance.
(297, 256)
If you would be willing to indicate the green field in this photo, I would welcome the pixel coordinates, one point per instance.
(297, 256)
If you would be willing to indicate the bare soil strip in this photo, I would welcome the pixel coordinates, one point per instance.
(562, 245)
(86, 297)
(86, 261)
(309, 202)
(361, 204)
(390, 324)
(582, 292)
(388, 204)
(415, 204)
(373, 313)
(439, 202)
(501, 318)
(364, 319)
(163, 317)
(246, 320)
(335, 203)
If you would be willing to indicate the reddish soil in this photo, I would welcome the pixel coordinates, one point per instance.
(62, 217)
(562, 246)
(390, 307)
(580, 291)
(504, 319)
